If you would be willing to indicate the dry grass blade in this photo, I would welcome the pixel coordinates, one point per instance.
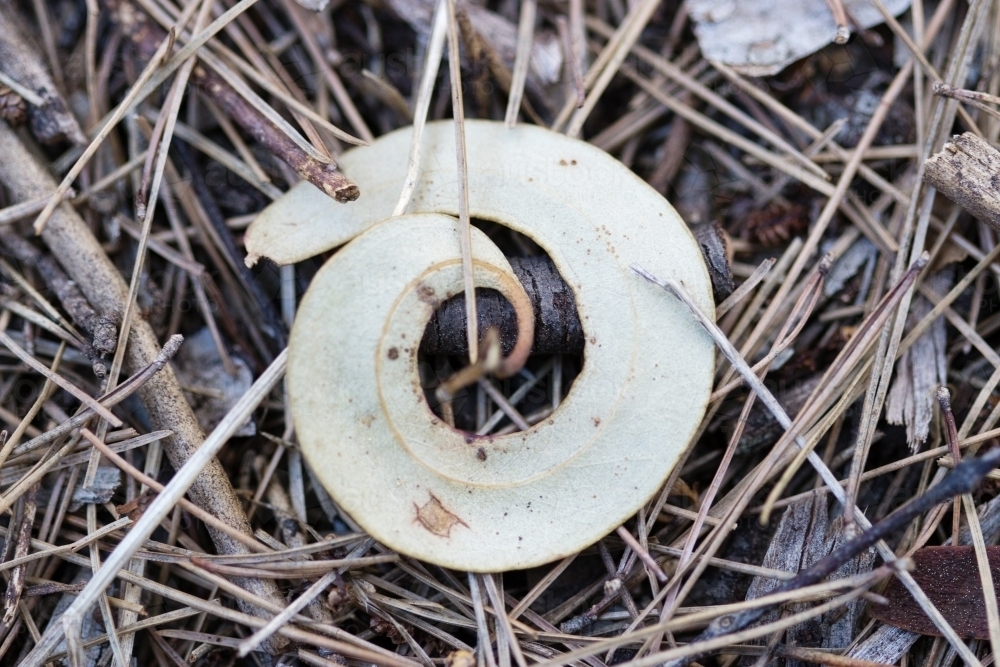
(57, 379)
(768, 399)
(858, 583)
(525, 40)
(22, 427)
(607, 65)
(914, 232)
(68, 548)
(985, 574)
(254, 640)
(458, 108)
(29, 95)
(846, 361)
(209, 520)
(432, 60)
(295, 13)
(810, 187)
(135, 94)
(745, 288)
(159, 508)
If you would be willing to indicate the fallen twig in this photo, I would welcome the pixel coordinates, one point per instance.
(324, 176)
(49, 116)
(15, 585)
(101, 327)
(85, 261)
(963, 479)
(965, 171)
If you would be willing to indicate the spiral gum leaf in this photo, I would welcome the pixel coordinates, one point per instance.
(490, 503)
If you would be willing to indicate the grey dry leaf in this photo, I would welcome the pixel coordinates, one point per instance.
(414, 483)
(314, 5)
(92, 627)
(546, 54)
(107, 481)
(759, 38)
(212, 391)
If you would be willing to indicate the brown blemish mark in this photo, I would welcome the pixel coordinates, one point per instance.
(597, 421)
(368, 420)
(393, 353)
(436, 518)
(481, 454)
(426, 294)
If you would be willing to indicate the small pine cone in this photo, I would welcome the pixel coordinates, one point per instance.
(776, 224)
(105, 335)
(381, 626)
(13, 108)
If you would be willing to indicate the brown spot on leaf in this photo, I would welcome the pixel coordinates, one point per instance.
(393, 353)
(436, 518)
(427, 294)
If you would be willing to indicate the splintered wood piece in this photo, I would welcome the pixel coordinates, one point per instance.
(950, 578)
(967, 171)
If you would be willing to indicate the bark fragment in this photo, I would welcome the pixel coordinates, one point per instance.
(967, 171)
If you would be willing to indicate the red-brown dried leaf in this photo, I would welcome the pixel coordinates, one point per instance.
(950, 578)
(135, 508)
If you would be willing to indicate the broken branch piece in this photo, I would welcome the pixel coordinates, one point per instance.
(966, 172)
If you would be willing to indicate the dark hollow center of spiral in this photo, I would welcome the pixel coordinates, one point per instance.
(556, 353)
